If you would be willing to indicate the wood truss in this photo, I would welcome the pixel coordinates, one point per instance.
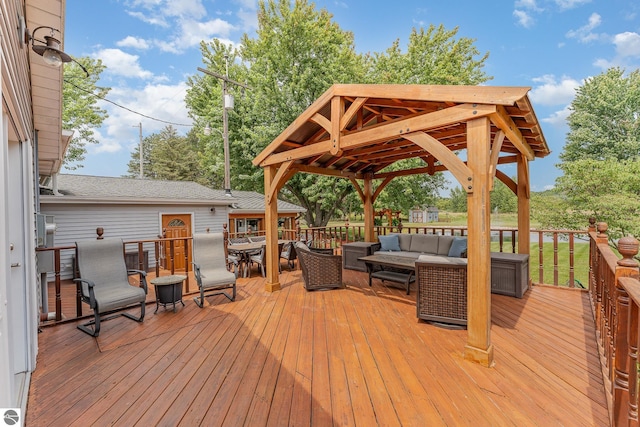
(356, 131)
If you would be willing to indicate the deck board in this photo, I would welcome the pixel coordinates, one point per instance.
(353, 356)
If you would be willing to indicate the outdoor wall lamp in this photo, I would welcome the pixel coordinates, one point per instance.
(49, 48)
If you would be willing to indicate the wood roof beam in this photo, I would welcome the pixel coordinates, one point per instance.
(353, 109)
(499, 95)
(382, 132)
(503, 121)
(423, 122)
(495, 153)
(325, 171)
(294, 126)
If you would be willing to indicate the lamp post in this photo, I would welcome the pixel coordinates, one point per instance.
(227, 104)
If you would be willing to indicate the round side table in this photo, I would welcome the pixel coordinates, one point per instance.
(168, 290)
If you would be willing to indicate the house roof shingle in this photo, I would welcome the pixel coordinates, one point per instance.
(86, 188)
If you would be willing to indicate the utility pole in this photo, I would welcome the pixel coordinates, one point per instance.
(140, 148)
(227, 104)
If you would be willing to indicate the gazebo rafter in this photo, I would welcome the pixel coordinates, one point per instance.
(357, 131)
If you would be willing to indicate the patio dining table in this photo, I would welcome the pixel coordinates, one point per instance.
(244, 251)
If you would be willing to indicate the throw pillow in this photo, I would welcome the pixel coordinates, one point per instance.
(458, 246)
(389, 243)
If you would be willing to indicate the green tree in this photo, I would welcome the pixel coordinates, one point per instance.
(80, 112)
(458, 199)
(599, 159)
(405, 192)
(605, 118)
(503, 200)
(167, 156)
(432, 56)
(608, 190)
(299, 52)
(204, 100)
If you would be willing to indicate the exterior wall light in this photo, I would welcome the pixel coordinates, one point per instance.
(49, 48)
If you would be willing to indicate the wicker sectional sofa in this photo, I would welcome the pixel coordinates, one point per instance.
(441, 274)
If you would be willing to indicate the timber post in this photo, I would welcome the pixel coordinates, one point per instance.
(479, 347)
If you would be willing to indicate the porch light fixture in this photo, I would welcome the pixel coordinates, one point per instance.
(49, 48)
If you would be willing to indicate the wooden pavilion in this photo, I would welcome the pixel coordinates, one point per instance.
(356, 131)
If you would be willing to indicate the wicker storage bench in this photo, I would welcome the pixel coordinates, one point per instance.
(442, 289)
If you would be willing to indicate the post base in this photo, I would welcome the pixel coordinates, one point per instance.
(478, 355)
(272, 287)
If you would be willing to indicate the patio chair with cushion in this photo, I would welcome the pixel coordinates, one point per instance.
(288, 253)
(104, 281)
(319, 271)
(210, 267)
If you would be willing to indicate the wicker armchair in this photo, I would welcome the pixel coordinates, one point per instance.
(442, 289)
(319, 271)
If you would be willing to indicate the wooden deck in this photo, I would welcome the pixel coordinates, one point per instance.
(354, 356)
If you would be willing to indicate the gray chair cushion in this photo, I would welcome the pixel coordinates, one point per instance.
(102, 262)
(208, 255)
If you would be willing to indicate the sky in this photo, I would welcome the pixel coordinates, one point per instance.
(150, 48)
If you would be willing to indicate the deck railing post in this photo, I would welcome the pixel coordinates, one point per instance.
(632, 337)
(621, 360)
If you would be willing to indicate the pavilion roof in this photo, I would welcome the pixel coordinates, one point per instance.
(355, 129)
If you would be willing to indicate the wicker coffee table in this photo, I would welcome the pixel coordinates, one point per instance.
(396, 269)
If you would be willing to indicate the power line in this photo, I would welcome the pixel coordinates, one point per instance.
(125, 108)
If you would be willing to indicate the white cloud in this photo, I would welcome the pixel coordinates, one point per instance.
(122, 64)
(133, 42)
(558, 118)
(160, 101)
(550, 91)
(524, 19)
(570, 4)
(184, 8)
(528, 4)
(149, 19)
(627, 44)
(604, 64)
(585, 33)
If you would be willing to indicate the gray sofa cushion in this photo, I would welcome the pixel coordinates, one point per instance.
(405, 241)
(444, 244)
(424, 243)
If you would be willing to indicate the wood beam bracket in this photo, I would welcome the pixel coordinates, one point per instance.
(503, 121)
(281, 177)
(457, 167)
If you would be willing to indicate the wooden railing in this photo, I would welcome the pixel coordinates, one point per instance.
(332, 237)
(615, 301)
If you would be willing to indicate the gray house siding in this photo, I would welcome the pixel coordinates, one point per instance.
(129, 222)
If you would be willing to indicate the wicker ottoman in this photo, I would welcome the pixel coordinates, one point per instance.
(442, 290)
